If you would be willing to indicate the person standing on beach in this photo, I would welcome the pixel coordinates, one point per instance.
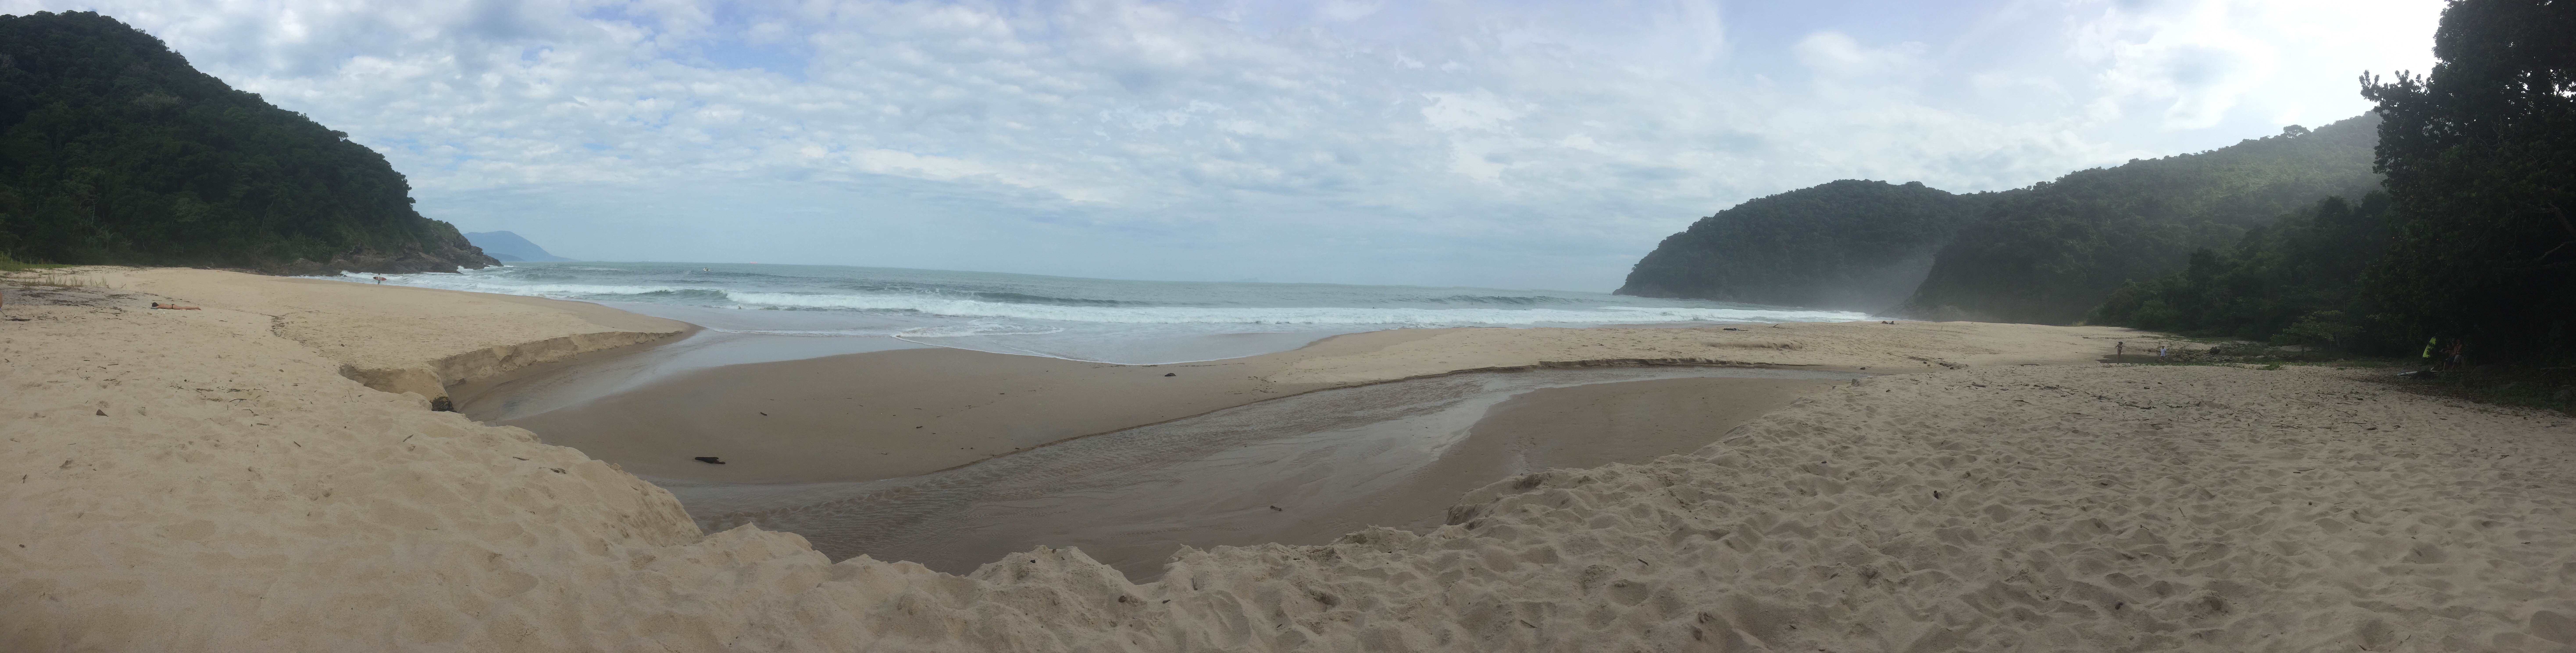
(2428, 351)
(2160, 352)
(2119, 349)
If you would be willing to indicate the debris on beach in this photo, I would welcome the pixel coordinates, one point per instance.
(711, 460)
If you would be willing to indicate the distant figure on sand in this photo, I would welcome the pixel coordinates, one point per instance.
(2428, 350)
(2120, 349)
(2160, 350)
(173, 307)
(380, 281)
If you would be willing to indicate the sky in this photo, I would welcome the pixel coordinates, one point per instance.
(1494, 144)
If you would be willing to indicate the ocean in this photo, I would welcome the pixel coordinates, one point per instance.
(1103, 320)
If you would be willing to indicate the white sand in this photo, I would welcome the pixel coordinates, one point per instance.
(402, 339)
(239, 493)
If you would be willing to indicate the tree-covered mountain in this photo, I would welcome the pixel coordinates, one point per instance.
(2297, 281)
(114, 150)
(2473, 241)
(1850, 244)
(2053, 252)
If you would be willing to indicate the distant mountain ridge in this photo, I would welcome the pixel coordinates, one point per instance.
(114, 150)
(1849, 244)
(2047, 254)
(510, 248)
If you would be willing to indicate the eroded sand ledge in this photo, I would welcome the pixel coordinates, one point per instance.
(201, 480)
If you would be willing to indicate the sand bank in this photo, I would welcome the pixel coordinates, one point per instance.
(1296, 470)
(880, 415)
(887, 414)
(194, 480)
(400, 339)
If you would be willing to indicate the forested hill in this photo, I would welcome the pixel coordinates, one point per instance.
(1850, 244)
(2053, 252)
(114, 150)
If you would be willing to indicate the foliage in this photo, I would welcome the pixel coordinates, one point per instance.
(114, 150)
(1848, 244)
(2480, 158)
(2295, 282)
(2051, 253)
(8, 264)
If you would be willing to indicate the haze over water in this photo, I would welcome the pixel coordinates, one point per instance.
(1068, 317)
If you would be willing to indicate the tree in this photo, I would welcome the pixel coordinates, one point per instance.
(2480, 159)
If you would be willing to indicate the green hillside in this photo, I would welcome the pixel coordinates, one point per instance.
(2474, 241)
(114, 150)
(1850, 244)
(2052, 253)
(2297, 281)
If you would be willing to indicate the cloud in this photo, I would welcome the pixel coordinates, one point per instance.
(1525, 144)
(2204, 57)
(1833, 53)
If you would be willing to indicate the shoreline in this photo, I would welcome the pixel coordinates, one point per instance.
(208, 480)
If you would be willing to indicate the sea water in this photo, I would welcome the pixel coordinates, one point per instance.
(1105, 320)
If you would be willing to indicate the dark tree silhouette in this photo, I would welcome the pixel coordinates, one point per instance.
(2480, 156)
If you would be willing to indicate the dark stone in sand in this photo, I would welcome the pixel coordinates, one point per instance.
(1278, 509)
(442, 405)
(711, 460)
(1171, 374)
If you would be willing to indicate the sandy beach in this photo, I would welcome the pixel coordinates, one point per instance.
(877, 415)
(264, 474)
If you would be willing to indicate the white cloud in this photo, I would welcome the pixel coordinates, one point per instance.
(2204, 57)
(1532, 144)
(1834, 53)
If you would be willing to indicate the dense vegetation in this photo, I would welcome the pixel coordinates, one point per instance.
(2052, 253)
(2481, 162)
(1850, 244)
(2294, 282)
(114, 150)
(2473, 241)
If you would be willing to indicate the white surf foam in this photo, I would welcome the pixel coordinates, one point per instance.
(473, 284)
(1320, 316)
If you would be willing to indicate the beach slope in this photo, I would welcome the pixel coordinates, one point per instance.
(204, 480)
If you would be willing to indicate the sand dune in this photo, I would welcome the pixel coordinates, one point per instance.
(210, 481)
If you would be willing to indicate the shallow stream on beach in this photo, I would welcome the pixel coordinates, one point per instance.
(1297, 470)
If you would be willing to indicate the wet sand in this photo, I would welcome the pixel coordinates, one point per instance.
(890, 414)
(876, 415)
(1296, 470)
